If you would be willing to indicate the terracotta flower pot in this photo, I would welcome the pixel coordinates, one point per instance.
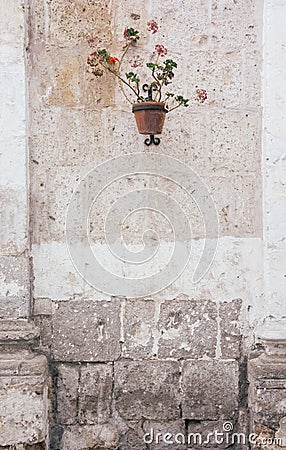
(150, 117)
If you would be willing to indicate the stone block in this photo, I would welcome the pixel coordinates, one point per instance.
(21, 363)
(13, 175)
(148, 389)
(50, 201)
(230, 328)
(12, 97)
(193, 32)
(38, 21)
(187, 328)
(14, 286)
(216, 434)
(69, 137)
(13, 221)
(239, 215)
(139, 327)
(66, 28)
(132, 13)
(128, 218)
(186, 138)
(236, 24)
(188, 198)
(133, 438)
(95, 393)
(210, 390)
(247, 209)
(33, 365)
(120, 132)
(154, 435)
(269, 406)
(63, 283)
(44, 325)
(165, 435)
(25, 422)
(62, 80)
(12, 24)
(252, 73)
(275, 263)
(42, 307)
(267, 389)
(221, 73)
(97, 437)
(235, 141)
(24, 399)
(86, 331)
(15, 331)
(67, 393)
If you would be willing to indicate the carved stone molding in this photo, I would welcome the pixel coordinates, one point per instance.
(267, 386)
(24, 386)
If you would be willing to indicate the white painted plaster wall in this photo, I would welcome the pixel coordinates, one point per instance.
(274, 156)
(14, 297)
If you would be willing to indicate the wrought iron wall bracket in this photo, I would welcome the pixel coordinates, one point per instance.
(149, 89)
(152, 140)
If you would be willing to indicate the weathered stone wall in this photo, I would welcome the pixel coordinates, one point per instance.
(23, 376)
(14, 258)
(174, 361)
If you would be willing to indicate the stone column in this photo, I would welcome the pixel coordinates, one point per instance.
(23, 376)
(267, 370)
(267, 393)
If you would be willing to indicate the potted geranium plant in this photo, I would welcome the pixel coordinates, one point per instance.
(153, 99)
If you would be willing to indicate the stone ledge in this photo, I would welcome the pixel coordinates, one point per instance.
(272, 334)
(23, 364)
(17, 331)
(267, 383)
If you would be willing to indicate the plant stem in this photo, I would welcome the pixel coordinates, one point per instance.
(159, 91)
(123, 81)
(175, 107)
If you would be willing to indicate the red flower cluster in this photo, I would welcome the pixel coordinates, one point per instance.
(152, 26)
(201, 95)
(113, 60)
(161, 50)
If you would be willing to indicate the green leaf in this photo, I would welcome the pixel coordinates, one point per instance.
(133, 77)
(129, 75)
(131, 32)
(182, 100)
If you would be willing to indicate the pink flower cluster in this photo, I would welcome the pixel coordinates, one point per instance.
(152, 26)
(137, 61)
(201, 95)
(161, 50)
(90, 40)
